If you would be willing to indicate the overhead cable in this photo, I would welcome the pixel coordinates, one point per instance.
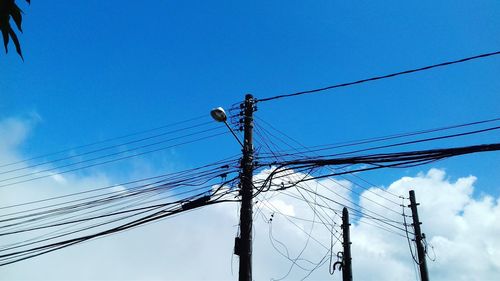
(380, 77)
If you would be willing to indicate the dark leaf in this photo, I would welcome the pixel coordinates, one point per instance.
(5, 35)
(16, 15)
(16, 42)
(9, 9)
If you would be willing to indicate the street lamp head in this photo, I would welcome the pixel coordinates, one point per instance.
(218, 114)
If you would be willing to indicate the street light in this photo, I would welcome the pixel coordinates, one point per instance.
(219, 115)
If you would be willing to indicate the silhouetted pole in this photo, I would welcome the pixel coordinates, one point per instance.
(347, 259)
(424, 275)
(246, 191)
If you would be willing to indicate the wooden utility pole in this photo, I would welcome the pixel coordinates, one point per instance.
(424, 275)
(244, 243)
(346, 258)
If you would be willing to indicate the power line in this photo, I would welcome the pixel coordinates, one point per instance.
(109, 161)
(107, 198)
(379, 218)
(318, 148)
(141, 194)
(103, 141)
(381, 77)
(316, 211)
(110, 154)
(383, 219)
(379, 161)
(186, 199)
(354, 183)
(21, 255)
(161, 178)
(408, 142)
(108, 148)
(296, 225)
(294, 173)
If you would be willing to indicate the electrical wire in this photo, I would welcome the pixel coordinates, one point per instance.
(400, 159)
(103, 141)
(354, 183)
(380, 77)
(109, 161)
(107, 148)
(347, 200)
(341, 204)
(116, 212)
(303, 153)
(221, 163)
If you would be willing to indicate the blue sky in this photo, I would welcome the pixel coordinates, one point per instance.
(99, 69)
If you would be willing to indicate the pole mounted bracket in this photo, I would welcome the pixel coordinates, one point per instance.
(339, 262)
(237, 246)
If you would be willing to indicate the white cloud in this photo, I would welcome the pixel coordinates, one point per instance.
(464, 230)
(59, 178)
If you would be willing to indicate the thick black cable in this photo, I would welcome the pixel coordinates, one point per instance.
(381, 77)
(405, 143)
(354, 183)
(85, 206)
(107, 222)
(400, 157)
(362, 215)
(350, 201)
(58, 245)
(115, 212)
